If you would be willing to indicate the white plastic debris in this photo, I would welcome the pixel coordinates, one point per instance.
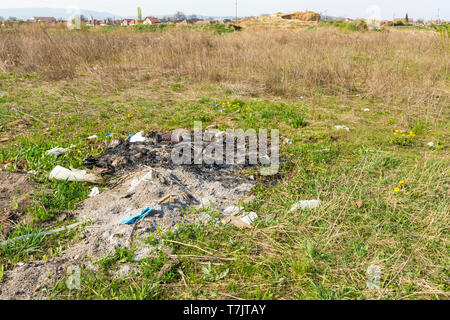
(149, 176)
(430, 144)
(138, 137)
(92, 137)
(232, 210)
(342, 128)
(305, 204)
(134, 183)
(249, 217)
(57, 151)
(245, 220)
(61, 173)
(94, 192)
(366, 110)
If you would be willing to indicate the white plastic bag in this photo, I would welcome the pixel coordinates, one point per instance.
(57, 151)
(61, 173)
(138, 137)
(305, 204)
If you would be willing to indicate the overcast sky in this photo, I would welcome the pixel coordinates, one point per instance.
(349, 8)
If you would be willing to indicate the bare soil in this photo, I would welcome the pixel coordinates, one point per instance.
(15, 197)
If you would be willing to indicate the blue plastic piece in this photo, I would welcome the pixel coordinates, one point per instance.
(136, 218)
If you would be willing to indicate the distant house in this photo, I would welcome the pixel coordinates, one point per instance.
(410, 20)
(129, 22)
(93, 22)
(45, 19)
(106, 22)
(151, 20)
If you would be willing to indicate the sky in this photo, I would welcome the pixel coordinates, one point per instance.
(380, 9)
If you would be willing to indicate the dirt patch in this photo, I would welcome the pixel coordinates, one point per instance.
(141, 176)
(15, 197)
(14, 128)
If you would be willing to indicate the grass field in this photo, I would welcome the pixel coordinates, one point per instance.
(385, 194)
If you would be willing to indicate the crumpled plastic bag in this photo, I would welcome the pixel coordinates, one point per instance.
(61, 173)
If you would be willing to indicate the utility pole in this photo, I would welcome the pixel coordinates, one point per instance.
(439, 18)
(236, 4)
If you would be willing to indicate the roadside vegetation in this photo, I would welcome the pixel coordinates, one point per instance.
(384, 190)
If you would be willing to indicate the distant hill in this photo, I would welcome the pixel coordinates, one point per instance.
(26, 13)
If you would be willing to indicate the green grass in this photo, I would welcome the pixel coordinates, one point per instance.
(311, 254)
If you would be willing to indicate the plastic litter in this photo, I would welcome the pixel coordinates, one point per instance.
(92, 137)
(366, 110)
(61, 173)
(244, 221)
(233, 210)
(342, 128)
(305, 204)
(249, 217)
(136, 218)
(94, 192)
(430, 144)
(138, 137)
(136, 182)
(57, 151)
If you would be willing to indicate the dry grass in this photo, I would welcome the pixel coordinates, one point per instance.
(409, 68)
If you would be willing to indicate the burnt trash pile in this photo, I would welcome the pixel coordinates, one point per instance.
(216, 151)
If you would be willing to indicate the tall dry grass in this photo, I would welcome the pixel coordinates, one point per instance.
(398, 67)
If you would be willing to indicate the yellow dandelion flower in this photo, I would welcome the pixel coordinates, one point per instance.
(397, 189)
(395, 133)
(403, 135)
(401, 182)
